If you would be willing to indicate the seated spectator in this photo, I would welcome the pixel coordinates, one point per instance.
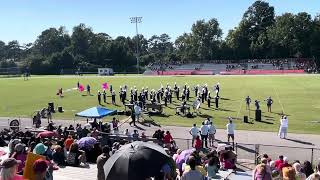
(288, 173)
(314, 176)
(285, 163)
(167, 138)
(20, 155)
(192, 174)
(68, 142)
(59, 156)
(279, 162)
(261, 173)
(176, 155)
(212, 168)
(42, 170)
(9, 170)
(101, 160)
(143, 137)
(93, 153)
(76, 156)
(95, 133)
(299, 175)
(135, 135)
(307, 168)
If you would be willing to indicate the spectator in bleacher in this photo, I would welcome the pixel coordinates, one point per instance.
(307, 168)
(288, 173)
(9, 170)
(20, 155)
(68, 142)
(167, 139)
(76, 156)
(59, 156)
(40, 169)
(135, 135)
(101, 160)
(261, 172)
(315, 175)
(279, 162)
(299, 175)
(192, 174)
(212, 168)
(284, 164)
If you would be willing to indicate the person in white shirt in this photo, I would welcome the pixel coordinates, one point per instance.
(194, 131)
(283, 127)
(204, 132)
(137, 110)
(212, 132)
(230, 130)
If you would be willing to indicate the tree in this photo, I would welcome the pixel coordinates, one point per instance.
(52, 40)
(13, 50)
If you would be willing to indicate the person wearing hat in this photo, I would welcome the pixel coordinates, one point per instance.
(40, 149)
(9, 169)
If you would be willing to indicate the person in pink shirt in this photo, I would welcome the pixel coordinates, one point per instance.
(21, 155)
(9, 170)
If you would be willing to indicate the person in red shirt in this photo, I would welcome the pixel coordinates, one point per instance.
(68, 142)
(198, 143)
(279, 162)
(284, 164)
(167, 138)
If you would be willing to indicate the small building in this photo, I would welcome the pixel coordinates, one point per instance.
(105, 71)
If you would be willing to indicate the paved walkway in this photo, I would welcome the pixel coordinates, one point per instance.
(181, 135)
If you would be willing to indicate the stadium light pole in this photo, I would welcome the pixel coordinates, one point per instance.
(137, 20)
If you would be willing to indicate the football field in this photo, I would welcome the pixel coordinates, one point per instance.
(297, 96)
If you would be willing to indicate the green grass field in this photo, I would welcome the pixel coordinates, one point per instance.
(297, 96)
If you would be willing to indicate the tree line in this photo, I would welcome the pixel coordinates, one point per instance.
(260, 34)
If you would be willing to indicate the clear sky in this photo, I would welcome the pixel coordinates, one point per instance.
(24, 20)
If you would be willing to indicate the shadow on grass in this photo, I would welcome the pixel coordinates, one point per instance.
(299, 141)
(148, 123)
(265, 122)
(205, 116)
(227, 99)
(226, 110)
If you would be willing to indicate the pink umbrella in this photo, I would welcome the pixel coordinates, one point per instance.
(47, 134)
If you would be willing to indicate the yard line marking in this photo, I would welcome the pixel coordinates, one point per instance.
(274, 89)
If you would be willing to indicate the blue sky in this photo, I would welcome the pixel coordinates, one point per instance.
(24, 20)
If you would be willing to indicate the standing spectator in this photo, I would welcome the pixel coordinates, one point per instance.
(299, 175)
(212, 132)
(194, 131)
(197, 143)
(283, 127)
(192, 174)
(133, 119)
(79, 131)
(101, 160)
(104, 96)
(99, 97)
(230, 130)
(204, 134)
(9, 170)
(88, 89)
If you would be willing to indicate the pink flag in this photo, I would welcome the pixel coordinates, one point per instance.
(105, 86)
(81, 88)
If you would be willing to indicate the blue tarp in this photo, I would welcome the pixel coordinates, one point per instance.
(96, 112)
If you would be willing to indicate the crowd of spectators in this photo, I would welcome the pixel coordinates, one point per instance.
(281, 168)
